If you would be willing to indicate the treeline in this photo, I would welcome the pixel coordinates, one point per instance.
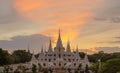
(103, 56)
(105, 63)
(22, 56)
(18, 56)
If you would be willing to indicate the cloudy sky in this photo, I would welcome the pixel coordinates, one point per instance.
(87, 23)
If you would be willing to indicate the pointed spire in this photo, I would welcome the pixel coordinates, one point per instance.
(86, 57)
(86, 60)
(42, 49)
(86, 51)
(68, 47)
(28, 48)
(33, 57)
(33, 51)
(59, 41)
(77, 49)
(59, 34)
(50, 46)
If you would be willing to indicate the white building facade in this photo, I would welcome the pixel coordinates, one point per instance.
(59, 57)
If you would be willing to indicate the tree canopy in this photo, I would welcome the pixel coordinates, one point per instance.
(18, 56)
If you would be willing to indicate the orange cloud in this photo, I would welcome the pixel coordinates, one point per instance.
(72, 21)
(92, 50)
(66, 14)
(25, 6)
(30, 6)
(65, 35)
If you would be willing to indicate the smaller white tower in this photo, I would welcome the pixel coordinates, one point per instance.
(33, 59)
(68, 49)
(50, 50)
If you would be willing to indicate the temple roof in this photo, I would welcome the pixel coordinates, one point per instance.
(59, 41)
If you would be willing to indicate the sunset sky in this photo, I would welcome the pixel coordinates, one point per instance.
(86, 23)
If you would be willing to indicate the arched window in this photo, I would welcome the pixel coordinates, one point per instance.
(55, 64)
(49, 60)
(44, 64)
(59, 64)
(69, 55)
(74, 64)
(41, 59)
(45, 59)
(69, 60)
(54, 54)
(64, 64)
(73, 59)
(65, 59)
(76, 59)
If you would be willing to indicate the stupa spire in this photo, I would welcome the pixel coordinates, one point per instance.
(28, 48)
(42, 49)
(68, 47)
(33, 57)
(50, 46)
(77, 51)
(59, 41)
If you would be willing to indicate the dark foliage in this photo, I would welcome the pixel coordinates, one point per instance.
(18, 56)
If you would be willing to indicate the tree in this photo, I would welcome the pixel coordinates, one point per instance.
(82, 54)
(79, 67)
(21, 56)
(103, 56)
(5, 57)
(111, 66)
(23, 68)
(69, 70)
(95, 67)
(87, 69)
(51, 70)
(34, 68)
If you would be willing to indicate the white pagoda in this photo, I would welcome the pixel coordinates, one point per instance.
(60, 58)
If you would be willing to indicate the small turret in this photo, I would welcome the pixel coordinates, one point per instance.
(50, 47)
(86, 60)
(68, 49)
(28, 49)
(42, 49)
(33, 57)
(77, 51)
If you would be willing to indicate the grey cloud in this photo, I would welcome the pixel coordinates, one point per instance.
(116, 41)
(21, 42)
(109, 19)
(99, 19)
(109, 8)
(112, 42)
(108, 11)
(117, 37)
(97, 28)
(108, 49)
(115, 20)
(8, 13)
